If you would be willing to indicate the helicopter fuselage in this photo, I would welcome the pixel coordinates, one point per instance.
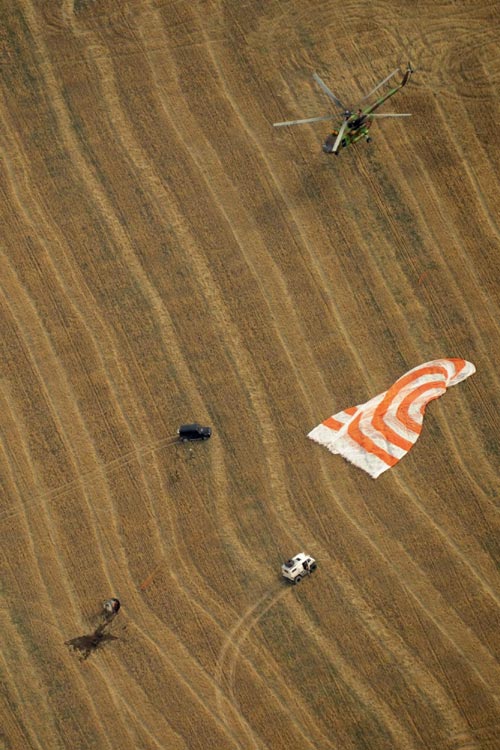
(357, 129)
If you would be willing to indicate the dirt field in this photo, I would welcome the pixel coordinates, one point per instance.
(170, 257)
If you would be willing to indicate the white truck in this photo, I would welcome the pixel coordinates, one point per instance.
(297, 567)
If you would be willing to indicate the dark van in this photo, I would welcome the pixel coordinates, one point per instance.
(193, 432)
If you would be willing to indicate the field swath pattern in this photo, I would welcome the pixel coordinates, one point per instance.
(167, 257)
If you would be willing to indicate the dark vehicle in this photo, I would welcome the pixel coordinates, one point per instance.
(193, 432)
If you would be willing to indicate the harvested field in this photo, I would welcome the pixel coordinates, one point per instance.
(169, 257)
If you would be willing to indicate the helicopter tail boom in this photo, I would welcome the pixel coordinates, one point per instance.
(372, 107)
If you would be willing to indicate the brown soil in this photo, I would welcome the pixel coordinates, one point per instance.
(170, 257)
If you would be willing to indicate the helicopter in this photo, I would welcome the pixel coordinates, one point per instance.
(356, 121)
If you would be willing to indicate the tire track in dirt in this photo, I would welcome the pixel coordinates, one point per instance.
(118, 463)
(362, 690)
(228, 662)
(455, 548)
(151, 479)
(168, 650)
(134, 150)
(252, 384)
(158, 304)
(220, 671)
(63, 342)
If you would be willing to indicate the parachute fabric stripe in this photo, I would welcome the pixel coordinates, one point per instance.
(376, 435)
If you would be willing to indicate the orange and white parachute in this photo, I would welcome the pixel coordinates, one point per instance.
(376, 435)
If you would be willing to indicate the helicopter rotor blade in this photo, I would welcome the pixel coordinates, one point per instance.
(390, 114)
(327, 91)
(379, 85)
(339, 137)
(302, 122)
